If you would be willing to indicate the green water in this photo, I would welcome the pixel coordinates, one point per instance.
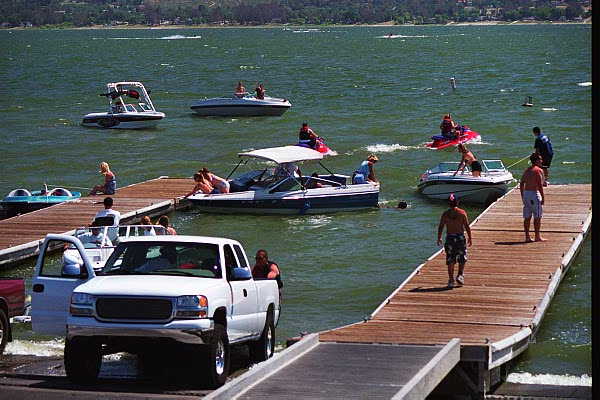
(362, 92)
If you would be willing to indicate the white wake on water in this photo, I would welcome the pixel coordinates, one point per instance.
(584, 84)
(549, 379)
(172, 37)
(45, 348)
(388, 148)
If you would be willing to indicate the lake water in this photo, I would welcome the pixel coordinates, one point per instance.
(364, 93)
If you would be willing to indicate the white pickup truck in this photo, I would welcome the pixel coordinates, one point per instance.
(154, 292)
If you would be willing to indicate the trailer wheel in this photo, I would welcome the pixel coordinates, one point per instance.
(217, 362)
(264, 347)
(4, 330)
(82, 359)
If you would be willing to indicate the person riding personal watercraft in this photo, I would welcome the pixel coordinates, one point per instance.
(308, 138)
(448, 127)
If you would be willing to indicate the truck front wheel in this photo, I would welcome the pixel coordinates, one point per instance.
(82, 359)
(4, 330)
(218, 357)
(264, 348)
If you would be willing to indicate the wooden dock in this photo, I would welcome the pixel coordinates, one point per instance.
(508, 287)
(21, 236)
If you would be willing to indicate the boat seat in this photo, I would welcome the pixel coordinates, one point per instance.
(104, 221)
(19, 192)
(60, 192)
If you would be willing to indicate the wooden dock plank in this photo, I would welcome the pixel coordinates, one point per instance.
(418, 332)
(506, 279)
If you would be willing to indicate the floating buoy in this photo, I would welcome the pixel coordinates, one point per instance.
(528, 102)
(453, 82)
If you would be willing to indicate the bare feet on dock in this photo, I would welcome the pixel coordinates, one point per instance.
(528, 240)
(540, 239)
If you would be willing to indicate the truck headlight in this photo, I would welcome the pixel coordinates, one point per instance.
(83, 299)
(191, 307)
(82, 305)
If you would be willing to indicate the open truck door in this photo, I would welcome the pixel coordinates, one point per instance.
(61, 266)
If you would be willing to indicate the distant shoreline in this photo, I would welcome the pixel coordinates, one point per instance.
(383, 24)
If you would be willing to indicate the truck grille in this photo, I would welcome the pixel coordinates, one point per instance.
(133, 309)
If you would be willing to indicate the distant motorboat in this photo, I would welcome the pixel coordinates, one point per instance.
(244, 105)
(439, 182)
(21, 201)
(129, 107)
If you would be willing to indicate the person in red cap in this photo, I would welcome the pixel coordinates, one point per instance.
(456, 222)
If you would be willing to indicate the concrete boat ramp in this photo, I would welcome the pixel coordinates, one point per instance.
(428, 340)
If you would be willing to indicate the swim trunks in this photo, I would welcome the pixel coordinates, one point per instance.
(532, 204)
(476, 166)
(546, 161)
(456, 248)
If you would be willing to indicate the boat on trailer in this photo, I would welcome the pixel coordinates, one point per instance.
(129, 107)
(278, 188)
(21, 201)
(439, 182)
(245, 105)
(99, 242)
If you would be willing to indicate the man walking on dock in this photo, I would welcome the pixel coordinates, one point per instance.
(456, 222)
(532, 195)
(543, 147)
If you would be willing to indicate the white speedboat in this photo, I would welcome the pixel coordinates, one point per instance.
(282, 190)
(439, 182)
(129, 107)
(242, 106)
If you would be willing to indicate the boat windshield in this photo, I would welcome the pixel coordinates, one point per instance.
(493, 165)
(449, 166)
(164, 258)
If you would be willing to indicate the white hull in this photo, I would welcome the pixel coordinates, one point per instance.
(123, 120)
(310, 201)
(440, 182)
(243, 107)
(465, 192)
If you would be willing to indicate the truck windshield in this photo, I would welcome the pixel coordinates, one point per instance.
(164, 258)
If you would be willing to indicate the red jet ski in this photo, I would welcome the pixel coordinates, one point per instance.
(321, 147)
(465, 135)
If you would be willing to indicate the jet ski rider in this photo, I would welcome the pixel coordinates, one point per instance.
(307, 136)
(448, 127)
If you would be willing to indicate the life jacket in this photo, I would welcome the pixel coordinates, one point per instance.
(446, 126)
(267, 269)
(304, 134)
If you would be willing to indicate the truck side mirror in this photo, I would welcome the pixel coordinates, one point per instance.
(240, 274)
(71, 270)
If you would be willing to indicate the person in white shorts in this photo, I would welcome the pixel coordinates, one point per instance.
(532, 195)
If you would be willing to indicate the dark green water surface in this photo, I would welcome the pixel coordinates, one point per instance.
(362, 92)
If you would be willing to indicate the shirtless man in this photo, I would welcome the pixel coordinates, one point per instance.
(532, 195)
(456, 221)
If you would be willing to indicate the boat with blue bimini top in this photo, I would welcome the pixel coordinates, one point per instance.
(129, 107)
(20, 201)
(279, 187)
(439, 182)
(243, 105)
